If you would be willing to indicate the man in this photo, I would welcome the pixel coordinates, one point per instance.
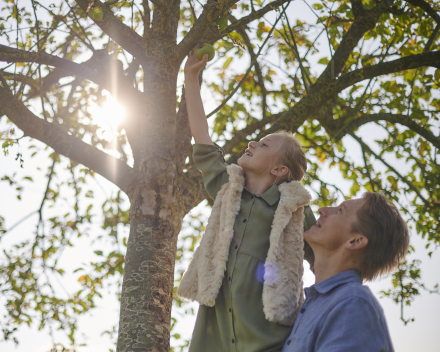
(357, 241)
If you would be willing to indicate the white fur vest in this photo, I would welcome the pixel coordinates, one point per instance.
(283, 296)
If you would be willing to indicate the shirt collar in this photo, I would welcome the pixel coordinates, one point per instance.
(338, 280)
(271, 196)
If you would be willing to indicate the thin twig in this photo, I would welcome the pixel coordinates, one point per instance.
(132, 14)
(37, 26)
(16, 43)
(402, 178)
(367, 168)
(18, 223)
(250, 67)
(303, 71)
(80, 27)
(193, 12)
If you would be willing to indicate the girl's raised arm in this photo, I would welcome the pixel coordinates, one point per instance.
(196, 114)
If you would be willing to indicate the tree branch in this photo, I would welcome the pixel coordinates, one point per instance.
(367, 169)
(242, 32)
(432, 38)
(211, 11)
(18, 223)
(196, 194)
(310, 106)
(106, 165)
(16, 55)
(253, 61)
(406, 63)
(241, 135)
(401, 177)
(304, 75)
(183, 132)
(404, 120)
(126, 37)
(147, 17)
(274, 5)
(428, 9)
(363, 22)
(158, 3)
(122, 88)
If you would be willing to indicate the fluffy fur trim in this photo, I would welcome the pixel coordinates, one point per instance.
(283, 286)
(203, 278)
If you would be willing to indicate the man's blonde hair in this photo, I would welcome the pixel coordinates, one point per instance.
(388, 237)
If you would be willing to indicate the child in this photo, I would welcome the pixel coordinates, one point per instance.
(247, 272)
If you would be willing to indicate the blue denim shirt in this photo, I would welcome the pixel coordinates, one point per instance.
(338, 315)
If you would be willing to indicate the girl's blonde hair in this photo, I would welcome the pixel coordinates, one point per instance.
(292, 156)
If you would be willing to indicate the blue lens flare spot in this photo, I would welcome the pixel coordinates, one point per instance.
(266, 272)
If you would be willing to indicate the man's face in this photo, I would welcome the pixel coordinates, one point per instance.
(334, 226)
(260, 157)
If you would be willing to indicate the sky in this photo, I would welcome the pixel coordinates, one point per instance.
(421, 335)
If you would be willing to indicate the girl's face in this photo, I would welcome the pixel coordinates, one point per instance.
(261, 157)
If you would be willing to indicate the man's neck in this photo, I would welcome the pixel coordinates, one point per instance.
(326, 267)
(258, 184)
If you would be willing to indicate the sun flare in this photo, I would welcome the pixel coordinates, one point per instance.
(108, 117)
(112, 112)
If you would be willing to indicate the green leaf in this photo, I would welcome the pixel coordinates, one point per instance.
(323, 61)
(227, 62)
(222, 23)
(96, 14)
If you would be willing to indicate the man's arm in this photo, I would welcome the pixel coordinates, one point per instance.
(353, 325)
(196, 114)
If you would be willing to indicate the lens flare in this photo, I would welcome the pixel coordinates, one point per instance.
(266, 272)
(112, 112)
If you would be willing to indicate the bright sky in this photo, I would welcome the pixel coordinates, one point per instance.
(422, 335)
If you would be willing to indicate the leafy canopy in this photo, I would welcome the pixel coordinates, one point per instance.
(331, 71)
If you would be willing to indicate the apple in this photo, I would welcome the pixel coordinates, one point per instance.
(205, 49)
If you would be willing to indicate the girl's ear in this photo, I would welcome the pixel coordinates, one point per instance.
(280, 171)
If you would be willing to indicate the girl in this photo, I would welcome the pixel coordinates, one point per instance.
(247, 272)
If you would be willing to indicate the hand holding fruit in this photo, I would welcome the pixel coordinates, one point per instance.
(203, 49)
(197, 58)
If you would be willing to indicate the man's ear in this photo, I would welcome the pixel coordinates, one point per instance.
(279, 171)
(357, 242)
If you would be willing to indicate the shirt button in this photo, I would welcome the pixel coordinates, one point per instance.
(288, 342)
(230, 310)
(236, 247)
(233, 340)
(244, 220)
(302, 310)
(230, 278)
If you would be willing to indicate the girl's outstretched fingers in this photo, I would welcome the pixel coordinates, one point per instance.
(194, 65)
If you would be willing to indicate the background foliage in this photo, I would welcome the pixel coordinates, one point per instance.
(284, 63)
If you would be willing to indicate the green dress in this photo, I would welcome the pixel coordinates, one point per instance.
(237, 322)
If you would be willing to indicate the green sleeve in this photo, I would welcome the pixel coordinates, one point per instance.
(309, 221)
(209, 159)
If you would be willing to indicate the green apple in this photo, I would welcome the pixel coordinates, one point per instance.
(205, 49)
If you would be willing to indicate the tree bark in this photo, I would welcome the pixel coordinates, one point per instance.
(156, 213)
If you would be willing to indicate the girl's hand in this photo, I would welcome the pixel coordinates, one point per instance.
(193, 64)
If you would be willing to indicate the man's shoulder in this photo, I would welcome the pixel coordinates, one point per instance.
(356, 292)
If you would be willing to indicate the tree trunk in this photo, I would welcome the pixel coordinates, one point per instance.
(155, 219)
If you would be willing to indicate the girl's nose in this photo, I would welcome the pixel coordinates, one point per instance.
(251, 144)
(323, 211)
(327, 211)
